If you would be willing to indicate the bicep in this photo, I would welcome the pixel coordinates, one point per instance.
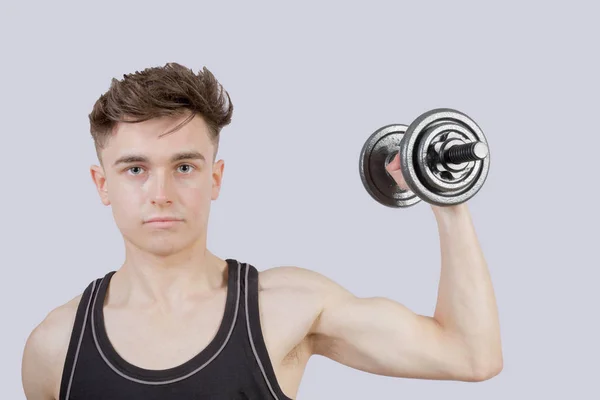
(381, 336)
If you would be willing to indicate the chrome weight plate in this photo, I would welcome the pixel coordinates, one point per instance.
(419, 162)
(379, 149)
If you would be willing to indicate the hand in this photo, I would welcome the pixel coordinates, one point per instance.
(393, 168)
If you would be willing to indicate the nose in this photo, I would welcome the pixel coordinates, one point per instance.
(160, 191)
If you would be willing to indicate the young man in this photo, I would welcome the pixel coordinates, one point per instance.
(177, 322)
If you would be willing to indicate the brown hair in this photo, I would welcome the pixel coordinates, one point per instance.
(171, 90)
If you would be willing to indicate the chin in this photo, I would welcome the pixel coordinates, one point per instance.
(164, 247)
(170, 245)
(161, 244)
(157, 246)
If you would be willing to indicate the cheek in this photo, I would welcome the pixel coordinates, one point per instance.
(197, 186)
(126, 199)
(132, 193)
(193, 184)
(195, 196)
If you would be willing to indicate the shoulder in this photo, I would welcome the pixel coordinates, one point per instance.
(302, 293)
(45, 350)
(51, 332)
(294, 277)
(304, 285)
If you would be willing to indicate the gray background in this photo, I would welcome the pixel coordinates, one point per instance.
(310, 82)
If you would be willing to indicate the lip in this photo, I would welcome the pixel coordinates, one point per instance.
(162, 221)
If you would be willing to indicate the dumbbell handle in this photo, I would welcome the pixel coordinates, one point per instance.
(465, 152)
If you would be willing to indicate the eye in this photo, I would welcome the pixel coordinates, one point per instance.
(135, 170)
(186, 168)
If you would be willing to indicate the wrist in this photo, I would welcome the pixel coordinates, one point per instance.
(445, 213)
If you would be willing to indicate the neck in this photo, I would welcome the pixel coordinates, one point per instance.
(167, 279)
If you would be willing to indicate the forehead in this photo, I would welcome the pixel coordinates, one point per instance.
(151, 138)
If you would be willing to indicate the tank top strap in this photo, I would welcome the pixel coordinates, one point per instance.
(77, 333)
(263, 371)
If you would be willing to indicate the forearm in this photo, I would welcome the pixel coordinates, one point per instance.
(466, 305)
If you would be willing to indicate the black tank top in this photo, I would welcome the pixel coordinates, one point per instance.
(234, 365)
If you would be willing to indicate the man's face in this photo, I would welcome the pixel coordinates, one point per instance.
(147, 176)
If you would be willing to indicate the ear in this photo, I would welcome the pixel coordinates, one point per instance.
(217, 176)
(99, 179)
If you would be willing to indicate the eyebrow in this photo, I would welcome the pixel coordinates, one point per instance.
(137, 158)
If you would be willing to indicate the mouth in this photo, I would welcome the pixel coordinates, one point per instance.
(163, 222)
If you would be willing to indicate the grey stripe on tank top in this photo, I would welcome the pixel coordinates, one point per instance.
(253, 346)
(68, 393)
(262, 369)
(165, 382)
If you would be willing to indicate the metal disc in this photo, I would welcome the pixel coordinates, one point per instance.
(430, 177)
(414, 168)
(378, 150)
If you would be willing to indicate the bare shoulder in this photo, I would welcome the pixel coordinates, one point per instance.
(53, 332)
(296, 277)
(301, 292)
(45, 351)
(299, 279)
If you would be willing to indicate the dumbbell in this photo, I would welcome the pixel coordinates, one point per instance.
(444, 159)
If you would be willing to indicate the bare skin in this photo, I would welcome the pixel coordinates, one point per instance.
(171, 287)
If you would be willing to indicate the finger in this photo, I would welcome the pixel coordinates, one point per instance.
(394, 165)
